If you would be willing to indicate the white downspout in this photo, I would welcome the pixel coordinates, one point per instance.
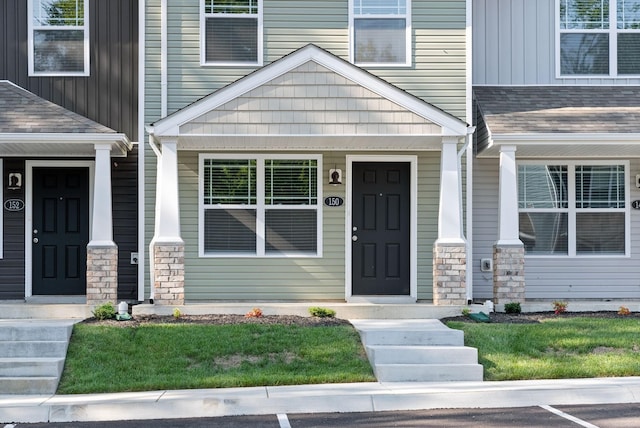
(469, 148)
(163, 58)
(154, 146)
(141, 147)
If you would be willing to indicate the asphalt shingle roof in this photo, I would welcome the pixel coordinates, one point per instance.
(24, 112)
(560, 109)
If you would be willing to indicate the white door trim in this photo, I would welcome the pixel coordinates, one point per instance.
(28, 215)
(413, 294)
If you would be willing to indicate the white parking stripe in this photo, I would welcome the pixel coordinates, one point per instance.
(10, 426)
(569, 417)
(284, 421)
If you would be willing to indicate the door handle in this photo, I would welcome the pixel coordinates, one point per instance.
(354, 238)
(35, 240)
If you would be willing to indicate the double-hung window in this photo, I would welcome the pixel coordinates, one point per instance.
(260, 206)
(599, 38)
(231, 32)
(380, 32)
(58, 37)
(573, 209)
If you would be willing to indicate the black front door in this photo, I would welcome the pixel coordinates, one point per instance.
(381, 228)
(60, 230)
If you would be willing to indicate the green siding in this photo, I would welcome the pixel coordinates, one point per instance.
(439, 49)
(319, 278)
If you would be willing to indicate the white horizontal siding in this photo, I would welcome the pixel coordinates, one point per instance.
(553, 277)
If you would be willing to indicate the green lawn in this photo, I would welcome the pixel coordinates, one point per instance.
(183, 356)
(556, 348)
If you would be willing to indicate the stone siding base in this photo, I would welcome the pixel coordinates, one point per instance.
(449, 274)
(508, 273)
(102, 275)
(168, 273)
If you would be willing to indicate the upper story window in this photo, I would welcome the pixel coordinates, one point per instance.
(58, 37)
(231, 32)
(573, 208)
(599, 38)
(380, 32)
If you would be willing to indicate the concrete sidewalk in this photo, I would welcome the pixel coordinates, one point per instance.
(354, 397)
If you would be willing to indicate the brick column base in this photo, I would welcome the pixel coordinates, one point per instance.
(102, 274)
(168, 273)
(449, 274)
(508, 273)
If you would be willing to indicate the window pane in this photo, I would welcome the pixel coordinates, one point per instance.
(629, 53)
(584, 53)
(544, 233)
(542, 186)
(629, 14)
(229, 181)
(380, 40)
(584, 14)
(380, 7)
(291, 182)
(600, 186)
(291, 231)
(231, 40)
(229, 231)
(58, 50)
(600, 233)
(58, 12)
(231, 6)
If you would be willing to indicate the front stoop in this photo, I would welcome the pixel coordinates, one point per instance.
(418, 351)
(32, 354)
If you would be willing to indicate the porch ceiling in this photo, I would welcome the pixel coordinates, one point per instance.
(559, 122)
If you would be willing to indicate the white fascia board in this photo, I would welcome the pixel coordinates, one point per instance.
(171, 124)
(121, 141)
(562, 138)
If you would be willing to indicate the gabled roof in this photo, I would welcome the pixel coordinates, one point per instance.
(313, 79)
(560, 120)
(31, 125)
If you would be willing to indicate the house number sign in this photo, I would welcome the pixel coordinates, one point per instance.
(333, 201)
(636, 205)
(14, 205)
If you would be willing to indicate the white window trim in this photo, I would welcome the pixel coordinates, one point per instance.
(352, 50)
(30, 42)
(572, 210)
(612, 31)
(203, 40)
(260, 205)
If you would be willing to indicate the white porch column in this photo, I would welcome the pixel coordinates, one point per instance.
(508, 251)
(102, 252)
(449, 251)
(508, 231)
(167, 245)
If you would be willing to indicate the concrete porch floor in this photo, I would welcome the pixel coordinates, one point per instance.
(59, 309)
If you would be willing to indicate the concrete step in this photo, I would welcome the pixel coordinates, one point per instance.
(34, 330)
(28, 385)
(50, 311)
(428, 372)
(11, 367)
(33, 348)
(408, 332)
(396, 354)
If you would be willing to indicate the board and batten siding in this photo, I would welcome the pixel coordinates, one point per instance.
(553, 277)
(297, 278)
(514, 44)
(439, 48)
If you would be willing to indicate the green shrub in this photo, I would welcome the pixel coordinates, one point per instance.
(317, 311)
(512, 308)
(105, 311)
(466, 312)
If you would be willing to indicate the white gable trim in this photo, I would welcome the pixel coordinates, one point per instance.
(170, 126)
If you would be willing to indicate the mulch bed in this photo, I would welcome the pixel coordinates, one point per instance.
(223, 319)
(226, 319)
(536, 317)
